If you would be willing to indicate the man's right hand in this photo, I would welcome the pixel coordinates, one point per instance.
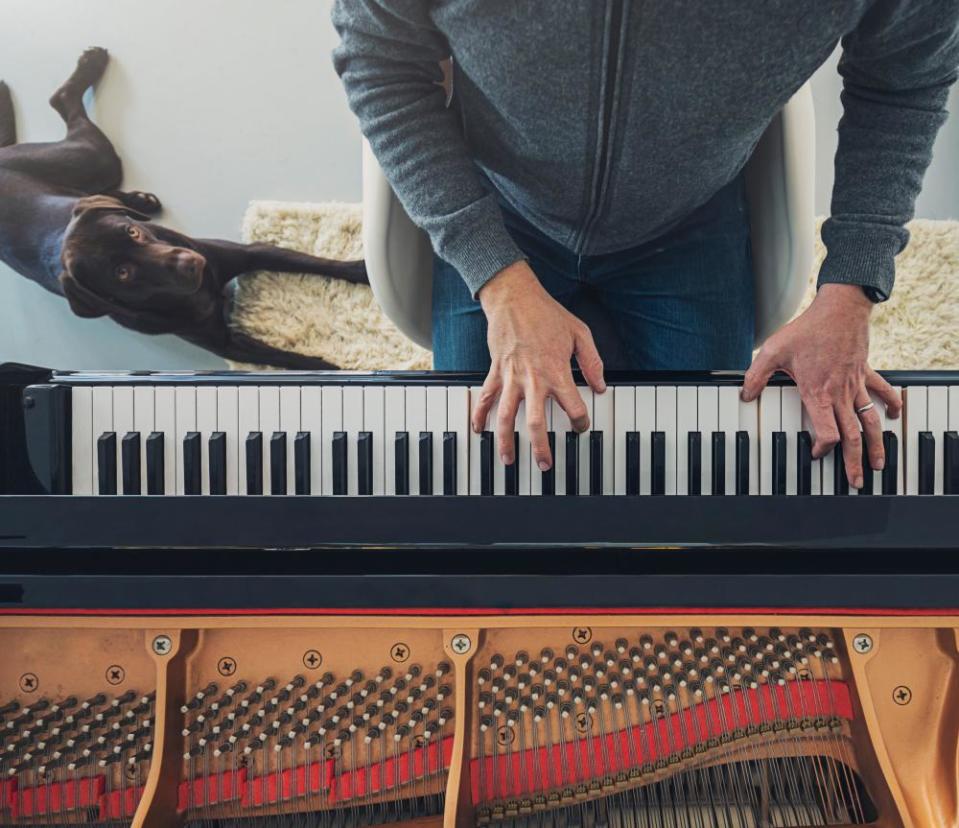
(532, 338)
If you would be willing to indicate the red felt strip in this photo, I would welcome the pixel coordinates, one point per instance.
(57, 797)
(513, 772)
(210, 790)
(120, 804)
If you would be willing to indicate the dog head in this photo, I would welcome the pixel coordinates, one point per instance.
(115, 263)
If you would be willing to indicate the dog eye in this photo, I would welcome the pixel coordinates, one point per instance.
(123, 273)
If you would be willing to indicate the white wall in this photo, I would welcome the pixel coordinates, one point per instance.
(212, 103)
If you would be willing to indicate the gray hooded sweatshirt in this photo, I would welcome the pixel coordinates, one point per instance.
(606, 122)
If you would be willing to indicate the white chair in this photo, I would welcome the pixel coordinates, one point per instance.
(780, 180)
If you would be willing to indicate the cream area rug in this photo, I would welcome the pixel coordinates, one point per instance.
(916, 329)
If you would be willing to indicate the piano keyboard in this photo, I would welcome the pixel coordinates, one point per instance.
(350, 435)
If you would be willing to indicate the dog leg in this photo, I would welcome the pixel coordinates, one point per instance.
(68, 99)
(8, 122)
(144, 202)
(232, 260)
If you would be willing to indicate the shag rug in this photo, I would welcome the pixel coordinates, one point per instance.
(342, 323)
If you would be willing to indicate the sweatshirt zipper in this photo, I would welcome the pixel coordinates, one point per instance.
(611, 82)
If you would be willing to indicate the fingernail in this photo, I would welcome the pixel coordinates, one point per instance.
(602, 387)
(880, 465)
(857, 483)
(543, 466)
(506, 459)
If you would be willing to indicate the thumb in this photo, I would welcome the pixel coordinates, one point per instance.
(763, 367)
(589, 361)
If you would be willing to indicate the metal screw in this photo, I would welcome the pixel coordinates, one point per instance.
(162, 645)
(582, 635)
(902, 695)
(862, 643)
(115, 674)
(312, 659)
(29, 683)
(399, 652)
(461, 643)
(226, 666)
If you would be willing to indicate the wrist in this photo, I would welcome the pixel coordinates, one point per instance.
(516, 279)
(850, 298)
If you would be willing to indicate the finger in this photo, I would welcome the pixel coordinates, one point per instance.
(589, 361)
(825, 430)
(536, 425)
(569, 398)
(889, 396)
(506, 422)
(487, 397)
(872, 428)
(851, 441)
(763, 367)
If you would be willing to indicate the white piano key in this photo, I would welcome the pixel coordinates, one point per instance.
(886, 424)
(352, 425)
(290, 425)
(603, 420)
(560, 425)
(499, 470)
(536, 476)
(332, 402)
(916, 400)
(729, 424)
(227, 421)
(415, 423)
(394, 414)
(83, 444)
(248, 418)
(164, 415)
(185, 423)
(374, 402)
(749, 422)
(624, 419)
(708, 420)
(458, 421)
(122, 424)
(938, 423)
(523, 459)
(686, 421)
(269, 422)
(436, 416)
(666, 422)
(311, 421)
(645, 425)
(791, 421)
(587, 394)
(206, 405)
(816, 481)
(770, 420)
(143, 424)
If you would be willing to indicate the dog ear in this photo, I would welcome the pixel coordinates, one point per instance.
(106, 203)
(83, 302)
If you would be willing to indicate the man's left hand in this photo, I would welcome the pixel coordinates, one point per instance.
(825, 351)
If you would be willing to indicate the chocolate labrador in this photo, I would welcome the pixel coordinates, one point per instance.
(65, 224)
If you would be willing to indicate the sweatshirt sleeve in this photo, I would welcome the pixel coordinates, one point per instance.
(388, 60)
(897, 67)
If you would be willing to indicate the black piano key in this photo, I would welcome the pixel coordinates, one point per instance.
(193, 463)
(632, 462)
(694, 463)
(486, 463)
(572, 463)
(890, 471)
(156, 473)
(840, 484)
(426, 463)
(449, 462)
(742, 462)
(217, 448)
(779, 462)
(340, 463)
(718, 483)
(107, 463)
(866, 468)
(804, 463)
(278, 463)
(130, 461)
(596, 462)
(657, 463)
(302, 461)
(254, 463)
(512, 470)
(364, 463)
(950, 463)
(927, 463)
(549, 476)
(401, 463)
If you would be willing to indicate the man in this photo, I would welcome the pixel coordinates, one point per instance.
(593, 153)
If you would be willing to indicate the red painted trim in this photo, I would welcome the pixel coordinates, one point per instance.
(485, 611)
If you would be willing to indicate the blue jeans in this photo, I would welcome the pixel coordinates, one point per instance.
(681, 302)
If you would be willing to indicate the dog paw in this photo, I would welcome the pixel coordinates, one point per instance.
(92, 63)
(146, 202)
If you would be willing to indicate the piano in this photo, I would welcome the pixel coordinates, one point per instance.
(301, 599)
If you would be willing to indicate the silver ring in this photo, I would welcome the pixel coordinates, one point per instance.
(865, 408)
